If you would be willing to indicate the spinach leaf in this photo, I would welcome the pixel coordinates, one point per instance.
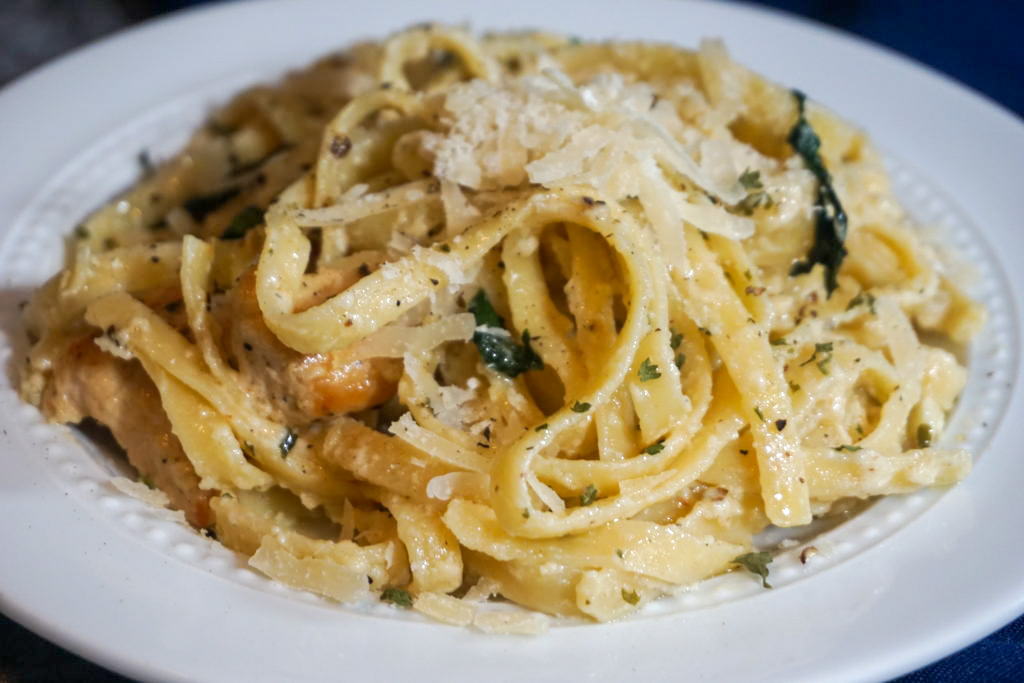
(499, 351)
(829, 216)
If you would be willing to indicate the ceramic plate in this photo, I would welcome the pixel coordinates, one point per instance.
(908, 580)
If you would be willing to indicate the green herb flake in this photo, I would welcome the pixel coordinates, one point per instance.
(861, 299)
(793, 386)
(145, 479)
(760, 415)
(822, 361)
(749, 204)
(244, 221)
(655, 448)
(648, 371)
(680, 359)
(630, 596)
(541, 428)
(620, 553)
(924, 435)
(781, 341)
(397, 596)
(501, 352)
(829, 216)
(756, 563)
(287, 443)
(848, 447)
(580, 407)
(751, 180)
(589, 495)
(705, 330)
(81, 232)
(526, 513)
(676, 340)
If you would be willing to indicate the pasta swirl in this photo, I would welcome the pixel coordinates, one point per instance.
(445, 317)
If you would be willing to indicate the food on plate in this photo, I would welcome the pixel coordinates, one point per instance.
(445, 318)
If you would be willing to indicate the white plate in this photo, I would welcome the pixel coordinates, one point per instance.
(906, 582)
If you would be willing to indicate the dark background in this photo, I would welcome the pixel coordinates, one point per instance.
(977, 43)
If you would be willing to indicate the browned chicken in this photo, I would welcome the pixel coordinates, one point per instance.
(89, 383)
(296, 388)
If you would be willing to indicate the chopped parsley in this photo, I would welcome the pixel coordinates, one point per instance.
(244, 221)
(541, 428)
(781, 341)
(751, 180)
(829, 216)
(397, 596)
(756, 194)
(822, 362)
(630, 596)
(498, 351)
(676, 340)
(756, 563)
(655, 448)
(848, 447)
(760, 415)
(680, 359)
(861, 299)
(648, 371)
(287, 443)
(580, 407)
(589, 495)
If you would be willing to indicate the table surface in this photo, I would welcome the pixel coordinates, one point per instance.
(980, 53)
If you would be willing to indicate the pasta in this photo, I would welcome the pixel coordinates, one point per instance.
(447, 318)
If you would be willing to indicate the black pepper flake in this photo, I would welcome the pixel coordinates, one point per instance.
(780, 424)
(364, 269)
(434, 281)
(340, 146)
(154, 259)
(247, 346)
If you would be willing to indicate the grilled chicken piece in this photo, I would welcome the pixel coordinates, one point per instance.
(298, 389)
(89, 383)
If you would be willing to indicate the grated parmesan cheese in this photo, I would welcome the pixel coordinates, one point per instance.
(608, 134)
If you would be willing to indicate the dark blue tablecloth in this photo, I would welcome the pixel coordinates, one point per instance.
(977, 43)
